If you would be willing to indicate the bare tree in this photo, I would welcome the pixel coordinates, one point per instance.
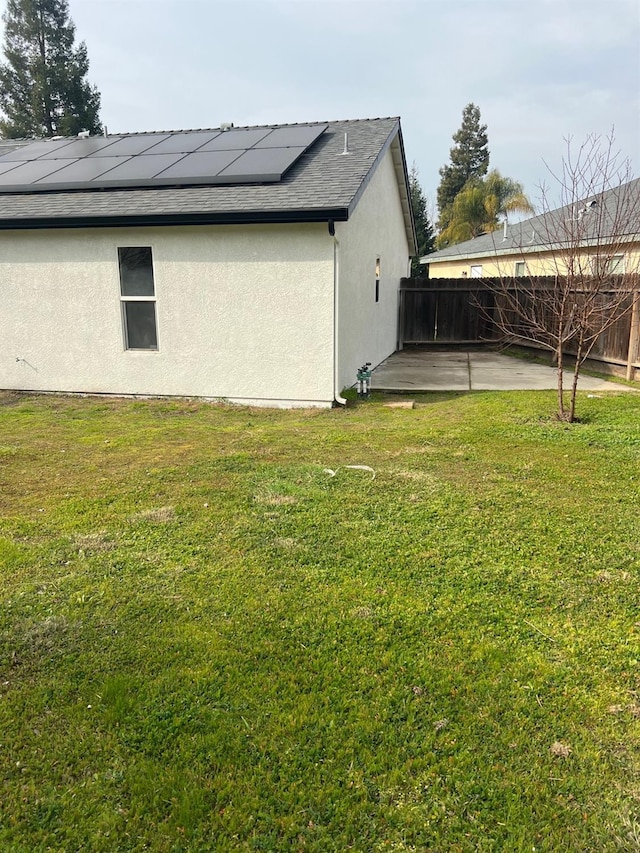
(582, 254)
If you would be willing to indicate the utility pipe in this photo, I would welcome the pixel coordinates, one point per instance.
(338, 398)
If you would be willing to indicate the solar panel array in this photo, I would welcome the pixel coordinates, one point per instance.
(187, 158)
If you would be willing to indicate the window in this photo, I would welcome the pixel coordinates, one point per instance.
(377, 279)
(521, 268)
(476, 271)
(607, 265)
(138, 298)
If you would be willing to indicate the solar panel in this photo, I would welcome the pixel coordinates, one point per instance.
(183, 143)
(81, 171)
(26, 174)
(200, 166)
(286, 137)
(263, 164)
(190, 158)
(135, 144)
(140, 168)
(85, 147)
(235, 139)
(4, 167)
(9, 145)
(37, 149)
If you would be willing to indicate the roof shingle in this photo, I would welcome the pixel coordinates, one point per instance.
(321, 181)
(553, 227)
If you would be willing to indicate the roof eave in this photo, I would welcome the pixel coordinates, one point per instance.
(538, 248)
(284, 217)
(400, 165)
(393, 142)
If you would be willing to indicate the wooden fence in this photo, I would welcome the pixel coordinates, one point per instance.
(459, 311)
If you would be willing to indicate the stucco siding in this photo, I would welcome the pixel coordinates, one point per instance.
(368, 329)
(243, 312)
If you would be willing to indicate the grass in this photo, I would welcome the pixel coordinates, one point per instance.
(209, 644)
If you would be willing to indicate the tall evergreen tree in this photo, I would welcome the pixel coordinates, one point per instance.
(43, 86)
(424, 229)
(469, 159)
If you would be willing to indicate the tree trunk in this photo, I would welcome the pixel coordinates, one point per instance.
(559, 355)
(574, 383)
(46, 100)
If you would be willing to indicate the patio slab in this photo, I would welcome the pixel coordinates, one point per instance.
(422, 370)
(426, 369)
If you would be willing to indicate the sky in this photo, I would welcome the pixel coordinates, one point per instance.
(541, 71)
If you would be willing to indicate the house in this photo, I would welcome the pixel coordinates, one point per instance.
(603, 229)
(259, 264)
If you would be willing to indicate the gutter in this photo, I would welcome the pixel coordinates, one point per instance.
(338, 214)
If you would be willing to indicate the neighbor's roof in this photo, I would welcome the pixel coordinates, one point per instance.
(616, 211)
(323, 184)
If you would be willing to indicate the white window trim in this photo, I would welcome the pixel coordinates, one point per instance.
(618, 259)
(125, 299)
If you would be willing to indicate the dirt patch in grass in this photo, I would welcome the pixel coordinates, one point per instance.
(94, 542)
(45, 634)
(159, 515)
(275, 500)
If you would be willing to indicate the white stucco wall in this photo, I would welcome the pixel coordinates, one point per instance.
(368, 329)
(243, 312)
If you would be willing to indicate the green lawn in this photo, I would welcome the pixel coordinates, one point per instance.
(207, 643)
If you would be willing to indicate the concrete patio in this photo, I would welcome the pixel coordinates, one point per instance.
(433, 369)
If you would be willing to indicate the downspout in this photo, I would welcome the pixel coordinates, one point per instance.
(341, 401)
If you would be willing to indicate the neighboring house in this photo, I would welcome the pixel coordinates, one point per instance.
(259, 265)
(603, 229)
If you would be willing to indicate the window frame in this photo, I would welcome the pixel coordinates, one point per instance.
(617, 261)
(523, 265)
(126, 299)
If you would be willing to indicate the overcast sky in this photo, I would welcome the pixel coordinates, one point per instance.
(539, 70)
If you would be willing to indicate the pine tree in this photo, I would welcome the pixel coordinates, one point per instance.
(424, 229)
(43, 86)
(469, 159)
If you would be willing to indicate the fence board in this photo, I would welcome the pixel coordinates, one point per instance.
(459, 311)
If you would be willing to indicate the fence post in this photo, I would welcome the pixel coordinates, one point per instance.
(633, 335)
(401, 301)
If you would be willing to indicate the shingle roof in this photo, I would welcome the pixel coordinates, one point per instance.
(542, 232)
(322, 184)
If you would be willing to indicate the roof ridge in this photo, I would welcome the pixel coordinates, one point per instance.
(272, 125)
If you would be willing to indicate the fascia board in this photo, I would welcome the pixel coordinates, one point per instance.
(287, 217)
